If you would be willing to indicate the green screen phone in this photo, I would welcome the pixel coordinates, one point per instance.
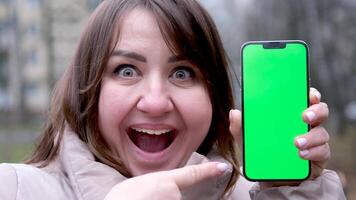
(275, 92)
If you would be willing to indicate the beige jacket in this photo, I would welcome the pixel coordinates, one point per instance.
(75, 175)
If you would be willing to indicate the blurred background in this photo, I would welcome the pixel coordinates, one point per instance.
(38, 38)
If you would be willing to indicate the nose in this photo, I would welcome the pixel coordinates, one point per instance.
(155, 99)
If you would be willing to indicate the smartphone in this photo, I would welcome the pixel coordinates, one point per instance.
(275, 92)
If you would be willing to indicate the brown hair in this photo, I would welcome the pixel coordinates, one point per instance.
(188, 31)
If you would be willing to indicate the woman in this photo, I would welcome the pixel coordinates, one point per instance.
(142, 112)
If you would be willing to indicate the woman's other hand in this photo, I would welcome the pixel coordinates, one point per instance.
(312, 146)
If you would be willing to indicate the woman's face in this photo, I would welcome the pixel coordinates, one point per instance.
(154, 109)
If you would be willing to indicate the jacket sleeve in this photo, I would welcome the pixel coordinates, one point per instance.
(8, 182)
(327, 186)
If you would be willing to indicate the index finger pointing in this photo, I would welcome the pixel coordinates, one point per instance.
(194, 174)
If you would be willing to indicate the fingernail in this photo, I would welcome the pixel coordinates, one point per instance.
(301, 141)
(230, 115)
(310, 115)
(304, 153)
(317, 94)
(222, 167)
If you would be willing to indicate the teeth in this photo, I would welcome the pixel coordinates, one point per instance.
(152, 132)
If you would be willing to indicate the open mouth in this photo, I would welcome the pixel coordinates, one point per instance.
(152, 141)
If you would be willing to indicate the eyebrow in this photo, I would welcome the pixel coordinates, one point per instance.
(141, 58)
(173, 59)
(129, 54)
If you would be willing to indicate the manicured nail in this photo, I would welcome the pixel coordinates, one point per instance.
(301, 142)
(230, 115)
(310, 115)
(304, 153)
(222, 167)
(317, 94)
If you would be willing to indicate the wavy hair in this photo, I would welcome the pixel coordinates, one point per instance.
(188, 31)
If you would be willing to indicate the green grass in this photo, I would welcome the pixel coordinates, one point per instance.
(12, 150)
(15, 153)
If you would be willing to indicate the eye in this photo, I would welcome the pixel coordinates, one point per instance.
(183, 73)
(126, 71)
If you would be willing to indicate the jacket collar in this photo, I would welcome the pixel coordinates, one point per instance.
(93, 180)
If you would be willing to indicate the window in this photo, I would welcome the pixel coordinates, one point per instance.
(34, 4)
(3, 75)
(92, 4)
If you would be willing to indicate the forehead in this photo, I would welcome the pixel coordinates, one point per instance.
(138, 25)
(140, 33)
(140, 28)
(140, 19)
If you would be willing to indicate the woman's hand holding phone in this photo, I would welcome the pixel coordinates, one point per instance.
(312, 146)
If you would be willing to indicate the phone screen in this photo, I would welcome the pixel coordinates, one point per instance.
(275, 92)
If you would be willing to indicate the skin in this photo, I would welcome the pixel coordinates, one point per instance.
(157, 97)
(166, 184)
(315, 147)
(145, 86)
(169, 184)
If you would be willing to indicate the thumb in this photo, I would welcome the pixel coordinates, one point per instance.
(194, 174)
(235, 125)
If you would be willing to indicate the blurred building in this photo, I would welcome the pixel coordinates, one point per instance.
(3, 52)
(37, 41)
(65, 20)
(24, 57)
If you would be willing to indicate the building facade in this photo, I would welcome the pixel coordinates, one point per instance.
(37, 42)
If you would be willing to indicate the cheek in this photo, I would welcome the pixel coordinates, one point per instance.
(196, 110)
(113, 106)
(108, 101)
